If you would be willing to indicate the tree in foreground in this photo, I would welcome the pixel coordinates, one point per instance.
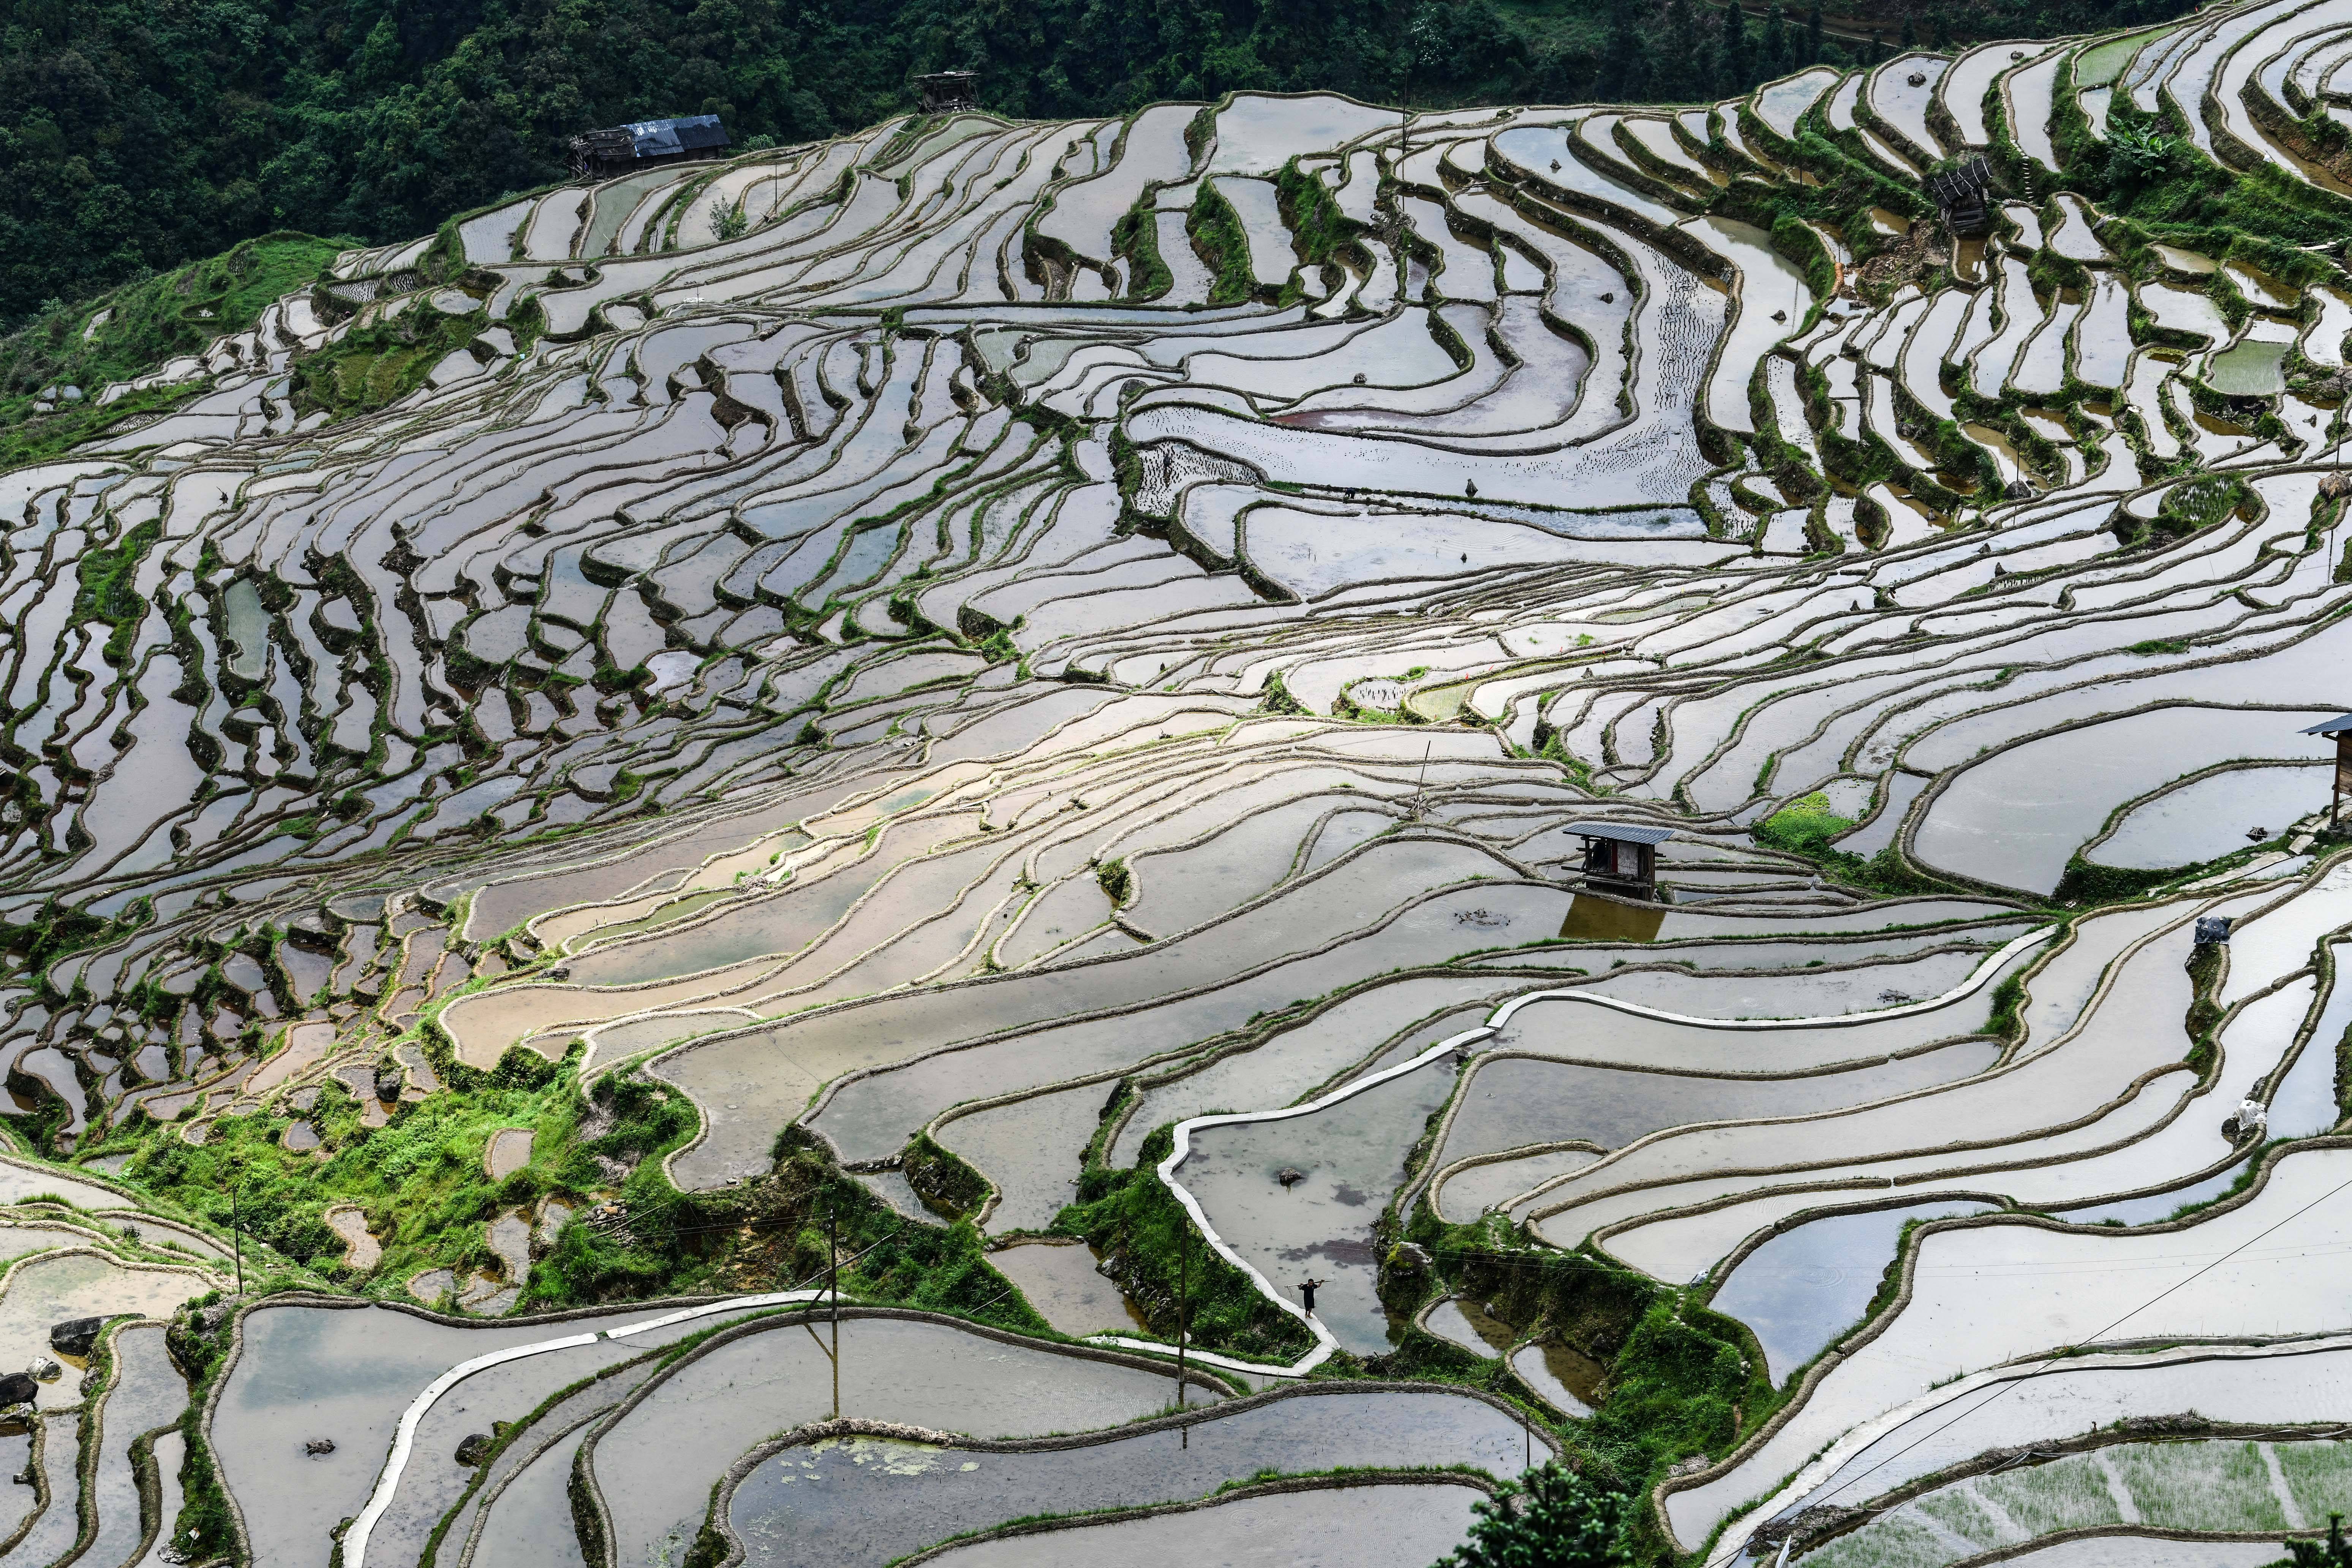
(1550, 1518)
(2330, 1553)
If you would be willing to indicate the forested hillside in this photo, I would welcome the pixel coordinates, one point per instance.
(136, 135)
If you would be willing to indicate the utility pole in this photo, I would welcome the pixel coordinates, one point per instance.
(1404, 108)
(1183, 1299)
(832, 1268)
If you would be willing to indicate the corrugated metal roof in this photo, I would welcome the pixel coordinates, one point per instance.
(2333, 727)
(683, 134)
(1623, 832)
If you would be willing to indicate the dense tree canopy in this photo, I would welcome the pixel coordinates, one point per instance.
(135, 135)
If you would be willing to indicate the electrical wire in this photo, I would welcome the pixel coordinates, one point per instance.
(2010, 1384)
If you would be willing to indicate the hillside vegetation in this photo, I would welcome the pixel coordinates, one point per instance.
(55, 366)
(134, 137)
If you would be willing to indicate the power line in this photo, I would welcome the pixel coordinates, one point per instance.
(2010, 1384)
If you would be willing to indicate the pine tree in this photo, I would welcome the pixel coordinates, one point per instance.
(1732, 75)
(1910, 34)
(2331, 1553)
(1625, 65)
(1814, 36)
(1681, 75)
(1776, 42)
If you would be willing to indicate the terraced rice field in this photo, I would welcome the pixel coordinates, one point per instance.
(732, 916)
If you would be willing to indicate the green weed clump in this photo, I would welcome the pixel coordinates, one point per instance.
(944, 1182)
(2086, 883)
(1682, 1379)
(1321, 231)
(1218, 235)
(1673, 1389)
(104, 592)
(199, 1338)
(2343, 1048)
(1136, 236)
(2199, 504)
(1803, 826)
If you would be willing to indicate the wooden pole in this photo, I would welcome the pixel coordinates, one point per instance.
(2343, 772)
(833, 1266)
(1404, 108)
(1183, 1299)
(237, 1230)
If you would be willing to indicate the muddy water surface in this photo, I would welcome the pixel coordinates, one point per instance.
(1353, 1527)
(1806, 1286)
(346, 1374)
(1350, 1157)
(657, 1464)
(867, 1502)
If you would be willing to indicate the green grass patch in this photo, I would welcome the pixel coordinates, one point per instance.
(419, 1179)
(39, 439)
(377, 367)
(1803, 826)
(1136, 236)
(1217, 234)
(104, 593)
(156, 318)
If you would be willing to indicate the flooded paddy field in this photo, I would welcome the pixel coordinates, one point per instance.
(1385, 1526)
(823, 1502)
(1484, 771)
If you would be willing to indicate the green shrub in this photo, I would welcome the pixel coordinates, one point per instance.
(1550, 1518)
(2333, 1552)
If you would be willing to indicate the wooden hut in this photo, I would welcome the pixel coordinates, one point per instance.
(646, 144)
(943, 92)
(1621, 858)
(2341, 728)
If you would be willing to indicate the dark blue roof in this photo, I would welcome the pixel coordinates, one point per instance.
(2333, 727)
(685, 133)
(1624, 832)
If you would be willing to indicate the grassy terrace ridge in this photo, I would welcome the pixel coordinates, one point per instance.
(421, 1183)
(131, 331)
